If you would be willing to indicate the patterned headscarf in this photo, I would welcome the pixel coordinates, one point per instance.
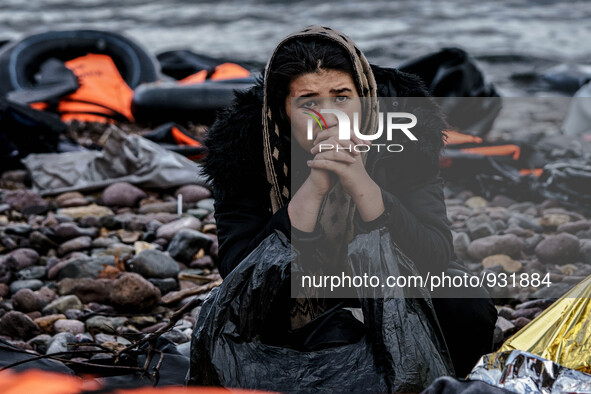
(277, 155)
(336, 213)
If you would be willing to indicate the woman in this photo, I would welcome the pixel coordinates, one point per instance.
(267, 175)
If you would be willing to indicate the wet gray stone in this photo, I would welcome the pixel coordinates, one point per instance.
(186, 243)
(508, 244)
(33, 284)
(122, 194)
(79, 243)
(62, 304)
(59, 343)
(154, 264)
(562, 248)
(34, 272)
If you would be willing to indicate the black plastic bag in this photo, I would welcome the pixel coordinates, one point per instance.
(24, 130)
(403, 350)
(567, 181)
(451, 73)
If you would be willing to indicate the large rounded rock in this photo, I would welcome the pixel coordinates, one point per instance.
(186, 243)
(26, 301)
(70, 230)
(62, 304)
(18, 325)
(153, 263)
(193, 193)
(132, 292)
(69, 325)
(79, 243)
(168, 230)
(560, 249)
(88, 267)
(122, 194)
(25, 257)
(508, 244)
(26, 201)
(87, 289)
(33, 284)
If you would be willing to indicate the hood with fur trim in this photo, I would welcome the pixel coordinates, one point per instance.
(235, 158)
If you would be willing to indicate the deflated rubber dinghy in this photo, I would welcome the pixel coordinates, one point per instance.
(21, 60)
(203, 86)
(85, 75)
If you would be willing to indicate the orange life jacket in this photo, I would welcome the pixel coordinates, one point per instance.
(459, 144)
(221, 72)
(103, 95)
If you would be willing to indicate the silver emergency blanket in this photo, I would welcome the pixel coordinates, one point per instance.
(124, 158)
(523, 372)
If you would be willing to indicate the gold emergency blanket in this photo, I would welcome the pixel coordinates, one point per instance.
(562, 333)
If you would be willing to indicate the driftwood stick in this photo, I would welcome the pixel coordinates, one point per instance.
(50, 356)
(176, 316)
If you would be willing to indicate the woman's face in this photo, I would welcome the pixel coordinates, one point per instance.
(325, 89)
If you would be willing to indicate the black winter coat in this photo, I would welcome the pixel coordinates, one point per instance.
(411, 186)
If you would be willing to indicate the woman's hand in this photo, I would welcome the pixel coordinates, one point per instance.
(321, 181)
(352, 174)
(340, 158)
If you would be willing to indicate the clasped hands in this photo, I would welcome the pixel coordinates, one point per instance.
(337, 159)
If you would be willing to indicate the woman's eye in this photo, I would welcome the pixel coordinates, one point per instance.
(341, 99)
(309, 104)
